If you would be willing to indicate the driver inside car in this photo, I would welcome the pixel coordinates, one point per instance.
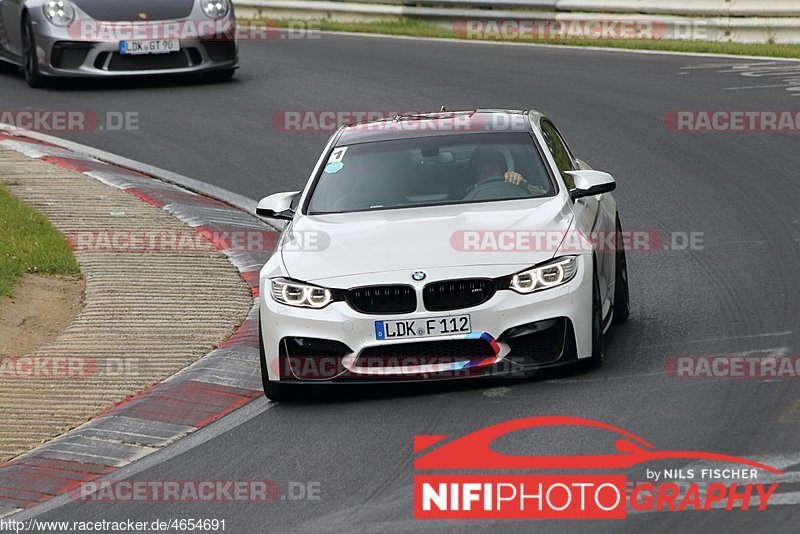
(491, 174)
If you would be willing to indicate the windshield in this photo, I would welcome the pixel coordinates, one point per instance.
(431, 171)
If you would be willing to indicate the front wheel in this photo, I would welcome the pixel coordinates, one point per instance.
(598, 337)
(621, 291)
(30, 59)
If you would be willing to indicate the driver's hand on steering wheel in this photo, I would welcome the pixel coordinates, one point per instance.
(517, 179)
(513, 177)
(536, 190)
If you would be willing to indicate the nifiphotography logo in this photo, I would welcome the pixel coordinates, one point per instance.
(495, 488)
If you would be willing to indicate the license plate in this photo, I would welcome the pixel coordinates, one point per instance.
(416, 328)
(155, 46)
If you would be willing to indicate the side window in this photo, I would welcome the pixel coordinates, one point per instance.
(560, 152)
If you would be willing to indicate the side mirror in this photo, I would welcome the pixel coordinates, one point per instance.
(590, 183)
(277, 206)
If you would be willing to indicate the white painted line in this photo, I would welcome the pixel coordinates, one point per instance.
(497, 392)
(722, 65)
(790, 498)
(712, 339)
(777, 352)
(602, 379)
(558, 46)
(753, 87)
(779, 461)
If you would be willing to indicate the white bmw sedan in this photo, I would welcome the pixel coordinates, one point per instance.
(440, 246)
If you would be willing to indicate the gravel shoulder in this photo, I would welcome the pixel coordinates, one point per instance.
(147, 314)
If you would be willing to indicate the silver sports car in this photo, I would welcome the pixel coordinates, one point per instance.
(112, 38)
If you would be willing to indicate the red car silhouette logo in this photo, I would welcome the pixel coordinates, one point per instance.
(473, 451)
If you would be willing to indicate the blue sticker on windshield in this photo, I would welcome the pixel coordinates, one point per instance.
(334, 166)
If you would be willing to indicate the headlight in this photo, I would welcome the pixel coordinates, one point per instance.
(59, 12)
(216, 9)
(551, 274)
(301, 295)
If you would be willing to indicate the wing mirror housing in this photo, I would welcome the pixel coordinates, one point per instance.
(589, 183)
(277, 206)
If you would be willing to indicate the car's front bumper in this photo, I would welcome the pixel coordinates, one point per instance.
(65, 53)
(562, 315)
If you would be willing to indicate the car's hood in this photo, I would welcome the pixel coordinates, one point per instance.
(136, 10)
(340, 245)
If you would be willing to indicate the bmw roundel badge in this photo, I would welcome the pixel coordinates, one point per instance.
(419, 275)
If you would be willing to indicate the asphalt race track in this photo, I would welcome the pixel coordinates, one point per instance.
(738, 295)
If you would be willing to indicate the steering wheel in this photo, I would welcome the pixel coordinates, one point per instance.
(494, 188)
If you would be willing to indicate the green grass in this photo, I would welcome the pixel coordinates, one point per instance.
(29, 244)
(418, 28)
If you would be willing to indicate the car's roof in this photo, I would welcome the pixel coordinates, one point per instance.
(438, 123)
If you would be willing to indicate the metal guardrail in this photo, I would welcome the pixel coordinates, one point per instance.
(714, 8)
(718, 8)
(521, 4)
(744, 21)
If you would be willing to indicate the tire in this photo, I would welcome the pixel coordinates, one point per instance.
(621, 290)
(598, 336)
(30, 60)
(275, 391)
(220, 75)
